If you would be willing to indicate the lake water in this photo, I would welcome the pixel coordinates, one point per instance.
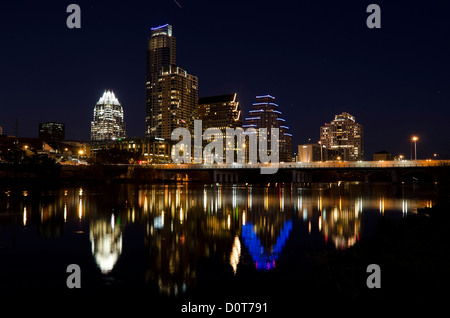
(173, 240)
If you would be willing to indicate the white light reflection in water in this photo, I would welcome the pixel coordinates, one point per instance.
(80, 209)
(24, 216)
(106, 243)
(235, 254)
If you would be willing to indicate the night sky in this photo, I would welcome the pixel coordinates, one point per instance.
(318, 58)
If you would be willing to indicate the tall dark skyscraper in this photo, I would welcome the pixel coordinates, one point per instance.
(51, 131)
(171, 93)
(265, 114)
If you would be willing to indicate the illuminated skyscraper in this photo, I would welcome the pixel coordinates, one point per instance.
(108, 121)
(171, 93)
(344, 135)
(265, 114)
(220, 112)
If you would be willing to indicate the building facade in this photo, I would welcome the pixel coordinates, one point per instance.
(265, 113)
(171, 93)
(52, 131)
(344, 135)
(220, 112)
(312, 153)
(108, 123)
(176, 103)
(149, 150)
(319, 153)
(383, 156)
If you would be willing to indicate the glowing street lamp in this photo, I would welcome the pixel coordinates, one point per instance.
(321, 156)
(414, 139)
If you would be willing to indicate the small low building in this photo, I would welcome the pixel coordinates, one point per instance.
(150, 150)
(382, 156)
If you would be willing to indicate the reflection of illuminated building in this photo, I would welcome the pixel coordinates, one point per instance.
(171, 239)
(106, 243)
(342, 226)
(337, 218)
(235, 254)
(265, 258)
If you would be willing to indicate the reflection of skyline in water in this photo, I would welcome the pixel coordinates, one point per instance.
(187, 226)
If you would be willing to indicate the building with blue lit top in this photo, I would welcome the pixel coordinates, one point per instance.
(265, 113)
(171, 93)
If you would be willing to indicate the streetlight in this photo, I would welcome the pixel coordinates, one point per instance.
(80, 153)
(320, 145)
(414, 139)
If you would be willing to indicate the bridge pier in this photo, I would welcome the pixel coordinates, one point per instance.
(301, 177)
(174, 176)
(366, 177)
(225, 177)
(394, 176)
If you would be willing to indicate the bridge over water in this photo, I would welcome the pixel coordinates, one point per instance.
(309, 172)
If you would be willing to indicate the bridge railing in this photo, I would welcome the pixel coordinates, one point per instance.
(310, 165)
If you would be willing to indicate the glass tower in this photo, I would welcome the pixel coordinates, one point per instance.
(108, 121)
(171, 93)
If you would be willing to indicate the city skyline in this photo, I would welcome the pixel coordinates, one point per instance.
(391, 79)
(224, 157)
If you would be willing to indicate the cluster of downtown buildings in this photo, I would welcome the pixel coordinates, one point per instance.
(172, 102)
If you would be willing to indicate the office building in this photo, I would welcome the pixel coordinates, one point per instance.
(171, 93)
(148, 150)
(52, 131)
(108, 123)
(344, 135)
(383, 156)
(177, 102)
(312, 153)
(220, 112)
(318, 152)
(265, 113)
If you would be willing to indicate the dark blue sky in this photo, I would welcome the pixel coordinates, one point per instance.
(318, 58)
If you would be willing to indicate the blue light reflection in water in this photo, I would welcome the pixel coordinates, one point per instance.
(265, 260)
